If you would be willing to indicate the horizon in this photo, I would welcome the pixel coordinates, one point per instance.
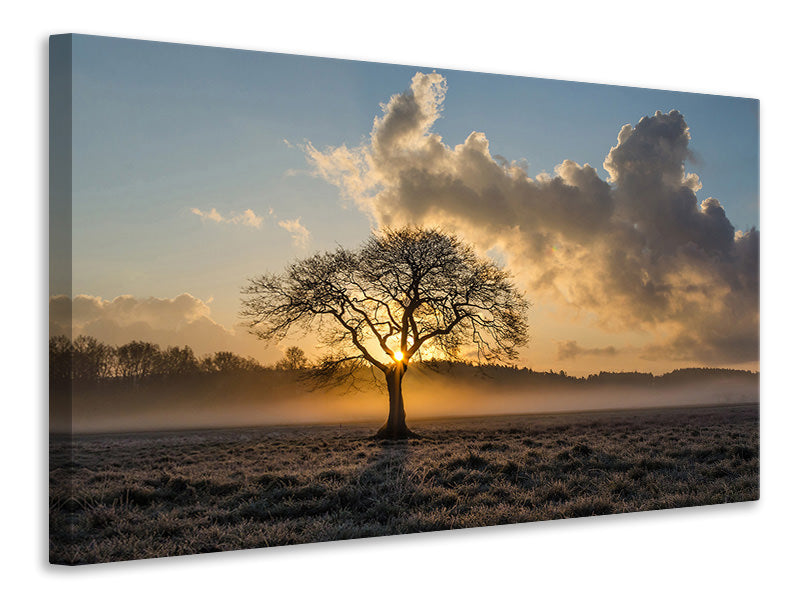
(164, 391)
(174, 397)
(425, 363)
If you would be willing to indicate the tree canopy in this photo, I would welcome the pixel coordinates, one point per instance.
(404, 291)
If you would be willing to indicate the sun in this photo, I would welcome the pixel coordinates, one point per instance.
(398, 356)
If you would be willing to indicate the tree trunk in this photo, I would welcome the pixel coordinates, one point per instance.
(395, 426)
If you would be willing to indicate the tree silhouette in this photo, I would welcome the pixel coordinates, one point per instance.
(294, 359)
(60, 358)
(228, 362)
(176, 361)
(402, 291)
(91, 360)
(137, 360)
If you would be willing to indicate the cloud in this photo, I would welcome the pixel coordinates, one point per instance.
(300, 235)
(182, 320)
(247, 217)
(637, 252)
(568, 350)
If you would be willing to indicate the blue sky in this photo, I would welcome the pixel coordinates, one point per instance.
(160, 129)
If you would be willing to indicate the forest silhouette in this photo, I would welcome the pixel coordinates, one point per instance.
(85, 360)
(140, 386)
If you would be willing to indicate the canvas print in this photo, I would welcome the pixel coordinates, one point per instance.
(297, 299)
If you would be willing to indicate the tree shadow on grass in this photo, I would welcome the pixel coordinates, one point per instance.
(381, 492)
(366, 502)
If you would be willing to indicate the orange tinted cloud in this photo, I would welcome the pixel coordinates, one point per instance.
(636, 252)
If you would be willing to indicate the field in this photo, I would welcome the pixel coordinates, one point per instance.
(158, 494)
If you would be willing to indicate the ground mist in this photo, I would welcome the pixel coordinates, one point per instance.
(278, 398)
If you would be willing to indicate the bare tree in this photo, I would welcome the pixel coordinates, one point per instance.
(402, 291)
(91, 360)
(60, 358)
(294, 359)
(228, 362)
(137, 360)
(177, 361)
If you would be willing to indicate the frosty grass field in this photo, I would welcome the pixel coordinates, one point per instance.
(147, 495)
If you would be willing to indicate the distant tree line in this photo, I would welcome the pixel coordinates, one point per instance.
(85, 359)
(513, 373)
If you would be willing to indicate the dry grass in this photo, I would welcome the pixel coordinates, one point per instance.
(148, 495)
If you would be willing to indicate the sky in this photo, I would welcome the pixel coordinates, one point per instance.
(195, 168)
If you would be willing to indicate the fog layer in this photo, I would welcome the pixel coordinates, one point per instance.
(242, 402)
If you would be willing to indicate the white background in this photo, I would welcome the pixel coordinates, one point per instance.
(744, 49)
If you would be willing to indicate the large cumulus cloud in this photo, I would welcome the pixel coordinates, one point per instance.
(637, 250)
